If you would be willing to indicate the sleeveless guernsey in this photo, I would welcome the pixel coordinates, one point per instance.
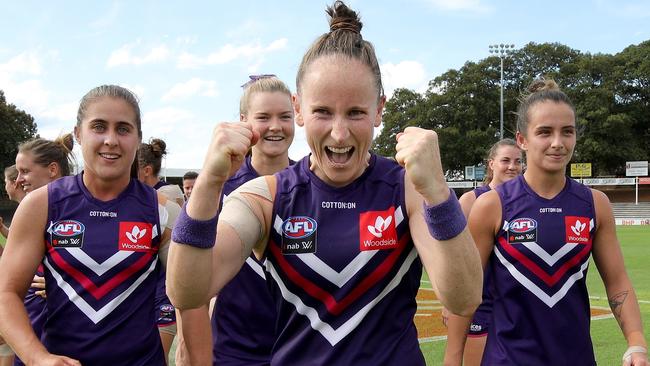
(343, 269)
(101, 272)
(539, 267)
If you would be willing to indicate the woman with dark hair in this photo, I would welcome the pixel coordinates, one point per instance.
(536, 234)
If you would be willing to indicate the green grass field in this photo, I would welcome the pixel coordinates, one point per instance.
(609, 343)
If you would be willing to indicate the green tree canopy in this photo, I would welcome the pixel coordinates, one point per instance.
(16, 126)
(611, 94)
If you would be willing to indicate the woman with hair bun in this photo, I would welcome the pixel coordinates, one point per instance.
(149, 162)
(40, 161)
(343, 233)
(535, 234)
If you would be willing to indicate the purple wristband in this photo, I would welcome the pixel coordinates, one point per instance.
(445, 220)
(197, 233)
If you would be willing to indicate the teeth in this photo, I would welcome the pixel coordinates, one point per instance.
(110, 156)
(274, 138)
(339, 150)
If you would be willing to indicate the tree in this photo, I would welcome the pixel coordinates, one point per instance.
(611, 94)
(17, 126)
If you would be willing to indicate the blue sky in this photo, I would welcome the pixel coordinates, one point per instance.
(187, 60)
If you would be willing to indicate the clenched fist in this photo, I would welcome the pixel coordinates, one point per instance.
(230, 144)
(418, 152)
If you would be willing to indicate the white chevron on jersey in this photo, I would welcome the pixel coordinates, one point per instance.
(255, 266)
(97, 315)
(333, 336)
(324, 270)
(98, 268)
(543, 254)
(550, 301)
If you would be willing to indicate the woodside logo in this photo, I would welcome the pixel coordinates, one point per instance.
(377, 230)
(135, 236)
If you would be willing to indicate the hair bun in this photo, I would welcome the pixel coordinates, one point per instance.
(343, 18)
(67, 141)
(158, 147)
(542, 84)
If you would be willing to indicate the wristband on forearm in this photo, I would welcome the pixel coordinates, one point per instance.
(445, 220)
(197, 233)
(634, 349)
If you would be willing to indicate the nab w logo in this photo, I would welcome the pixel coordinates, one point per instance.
(299, 235)
(136, 234)
(522, 230)
(380, 226)
(67, 234)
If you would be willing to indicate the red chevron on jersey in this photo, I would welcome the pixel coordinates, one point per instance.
(577, 229)
(549, 279)
(135, 236)
(333, 306)
(377, 230)
(100, 291)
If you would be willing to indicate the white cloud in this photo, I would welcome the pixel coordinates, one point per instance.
(123, 56)
(192, 87)
(229, 53)
(25, 63)
(474, 6)
(66, 112)
(163, 121)
(406, 74)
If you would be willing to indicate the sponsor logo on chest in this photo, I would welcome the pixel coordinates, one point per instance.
(67, 234)
(522, 230)
(377, 230)
(299, 235)
(135, 236)
(577, 229)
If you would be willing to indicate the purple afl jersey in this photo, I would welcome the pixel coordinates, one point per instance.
(343, 269)
(100, 274)
(539, 268)
(243, 321)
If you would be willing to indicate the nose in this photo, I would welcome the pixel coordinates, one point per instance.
(20, 178)
(110, 138)
(557, 142)
(340, 131)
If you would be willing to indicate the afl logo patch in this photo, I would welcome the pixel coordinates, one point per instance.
(522, 230)
(67, 234)
(299, 235)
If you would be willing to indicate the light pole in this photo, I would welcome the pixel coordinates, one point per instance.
(501, 51)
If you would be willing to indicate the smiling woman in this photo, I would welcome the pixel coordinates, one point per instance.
(99, 235)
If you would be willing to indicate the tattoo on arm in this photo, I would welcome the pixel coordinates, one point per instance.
(616, 303)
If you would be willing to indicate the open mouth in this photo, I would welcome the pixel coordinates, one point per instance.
(339, 155)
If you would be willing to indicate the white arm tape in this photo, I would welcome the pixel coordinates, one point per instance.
(173, 210)
(238, 213)
(634, 349)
